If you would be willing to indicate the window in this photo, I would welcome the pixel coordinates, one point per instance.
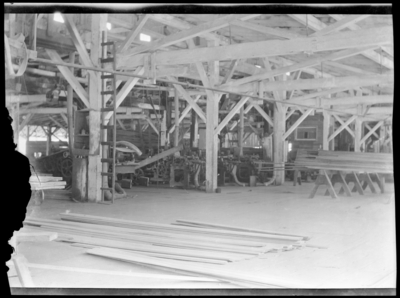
(306, 133)
(144, 37)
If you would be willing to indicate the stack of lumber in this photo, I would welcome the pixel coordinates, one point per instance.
(46, 182)
(245, 280)
(165, 241)
(346, 161)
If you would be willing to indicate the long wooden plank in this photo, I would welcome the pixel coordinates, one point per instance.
(166, 243)
(142, 225)
(47, 187)
(225, 275)
(211, 244)
(145, 162)
(235, 228)
(170, 228)
(222, 256)
(342, 40)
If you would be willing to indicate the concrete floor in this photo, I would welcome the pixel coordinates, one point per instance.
(359, 232)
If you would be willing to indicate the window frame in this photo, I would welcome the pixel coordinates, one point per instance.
(316, 133)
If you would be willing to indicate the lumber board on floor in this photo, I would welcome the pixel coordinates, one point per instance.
(46, 184)
(23, 272)
(33, 187)
(152, 240)
(134, 233)
(150, 248)
(44, 179)
(171, 228)
(233, 228)
(224, 275)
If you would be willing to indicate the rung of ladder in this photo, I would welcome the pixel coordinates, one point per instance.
(107, 60)
(108, 43)
(105, 188)
(107, 109)
(107, 76)
(106, 143)
(107, 92)
(106, 126)
(106, 174)
(108, 160)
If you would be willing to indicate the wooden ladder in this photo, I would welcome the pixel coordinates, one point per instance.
(108, 158)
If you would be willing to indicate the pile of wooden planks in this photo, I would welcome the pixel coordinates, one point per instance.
(344, 167)
(186, 245)
(46, 182)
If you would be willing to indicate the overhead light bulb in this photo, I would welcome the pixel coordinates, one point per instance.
(108, 26)
(145, 37)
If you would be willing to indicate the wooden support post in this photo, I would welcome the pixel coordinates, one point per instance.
(176, 103)
(241, 131)
(48, 141)
(194, 132)
(279, 130)
(70, 98)
(95, 167)
(163, 129)
(358, 130)
(326, 130)
(212, 121)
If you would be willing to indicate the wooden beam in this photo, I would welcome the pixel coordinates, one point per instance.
(133, 34)
(372, 55)
(123, 93)
(297, 123)
(370, 128)
(379, 124)
(301, 99)
(267, 30)
(342, 40)
(230, 71)
(187, 97)
(25, 122)
(43, 111)
(317, 25)
(152, 125)
(192, 32)
(241, 131)
(297, 66)
(354, 100)
(56, 122)
(342, 123)
(279, 130)
(347, 82)
(98, 27)
(263, 114)
(231, 113)
(69, 76)
(343, 126)
(22, 98)
(341, 24)
(78, 42)
(70, 115)
(358, 131)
